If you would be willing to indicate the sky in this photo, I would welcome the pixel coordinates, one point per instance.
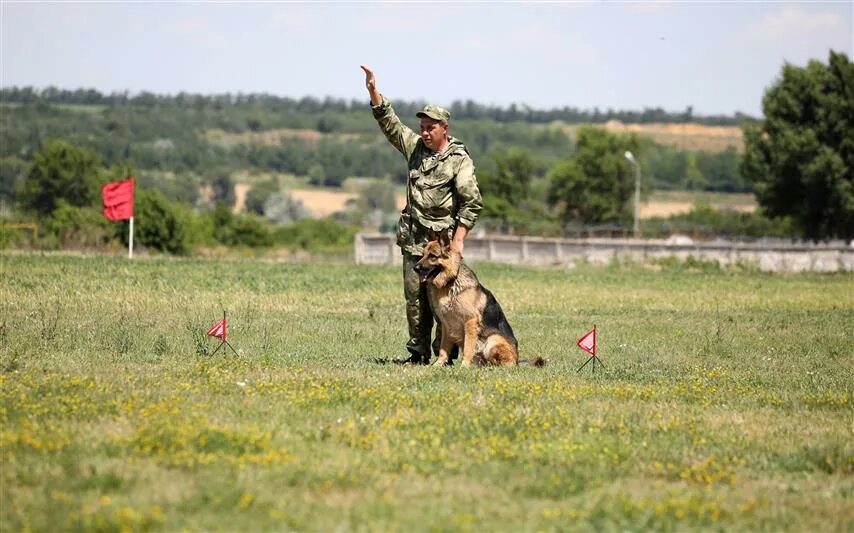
(717, 57)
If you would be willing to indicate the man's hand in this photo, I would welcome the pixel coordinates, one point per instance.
(371, 85)
(457, 243)
(457, 246)
(370, 78)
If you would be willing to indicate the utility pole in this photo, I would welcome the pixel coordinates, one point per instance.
(630, 156)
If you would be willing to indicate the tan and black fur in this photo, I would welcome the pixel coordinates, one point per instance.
(469, 314)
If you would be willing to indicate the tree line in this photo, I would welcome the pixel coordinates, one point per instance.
(465, 110)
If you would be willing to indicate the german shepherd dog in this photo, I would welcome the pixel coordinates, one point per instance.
(469, 314)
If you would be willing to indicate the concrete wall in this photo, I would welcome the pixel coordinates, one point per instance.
(380, 249)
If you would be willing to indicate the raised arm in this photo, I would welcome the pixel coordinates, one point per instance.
(401, 137)
(371, 84)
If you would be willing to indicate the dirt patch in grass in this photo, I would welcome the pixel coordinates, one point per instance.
(323, 203)
(684, 136)
(271, 137)
(667, 209)
(240, 190)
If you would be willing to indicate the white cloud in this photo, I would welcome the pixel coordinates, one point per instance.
(792, 22)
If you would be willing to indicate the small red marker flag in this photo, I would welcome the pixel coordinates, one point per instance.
(118, 199)
(588, 342)
(218, 330)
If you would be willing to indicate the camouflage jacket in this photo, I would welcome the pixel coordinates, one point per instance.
(441, 191)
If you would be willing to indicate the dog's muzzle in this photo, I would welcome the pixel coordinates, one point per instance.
(426, 273)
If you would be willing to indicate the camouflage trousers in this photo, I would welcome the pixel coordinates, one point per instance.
(419, 316)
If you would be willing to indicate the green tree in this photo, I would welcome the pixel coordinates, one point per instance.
(13, 171)
(694, 179)
(221, 186)
(258, 194)
(721, 170)
(231, 229)
(507, 190)
(160, 223)
(316, 174)
(61, 172)
(512, 178)
(282, 208)
(801, 158)
(596, 184)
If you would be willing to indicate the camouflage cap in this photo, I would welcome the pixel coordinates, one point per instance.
(435, 112)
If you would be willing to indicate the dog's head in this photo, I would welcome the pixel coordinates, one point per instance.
(439, 264)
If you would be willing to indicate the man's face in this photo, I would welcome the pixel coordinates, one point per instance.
(433, 132)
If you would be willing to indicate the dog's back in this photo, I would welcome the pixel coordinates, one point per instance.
(464, 295)
(499, 343)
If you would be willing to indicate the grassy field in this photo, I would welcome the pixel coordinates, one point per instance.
(726, 403)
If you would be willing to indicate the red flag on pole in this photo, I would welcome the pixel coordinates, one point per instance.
(218, 330)
(588, 342)
(118, 199)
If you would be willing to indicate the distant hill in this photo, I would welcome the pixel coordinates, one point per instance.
(209, 138)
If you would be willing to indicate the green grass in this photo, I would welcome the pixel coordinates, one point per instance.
(82, 108)
(78, 108)
(726, 403)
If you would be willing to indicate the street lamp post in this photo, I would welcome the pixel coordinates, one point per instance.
(635, 163)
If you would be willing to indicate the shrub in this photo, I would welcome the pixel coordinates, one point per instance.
(247, 230)
(160, 223)
(231, 229)
(703, 220)
(259, 193)
(79, 227)
(315, 235)
(14, 236)
(282, 208)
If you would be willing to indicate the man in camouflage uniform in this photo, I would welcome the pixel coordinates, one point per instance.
(441, 194)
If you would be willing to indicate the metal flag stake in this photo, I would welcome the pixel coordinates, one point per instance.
(220, 331)
(588, 343)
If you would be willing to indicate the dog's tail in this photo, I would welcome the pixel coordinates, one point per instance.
(536, 361)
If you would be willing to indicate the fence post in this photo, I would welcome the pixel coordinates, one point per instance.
(359, 248)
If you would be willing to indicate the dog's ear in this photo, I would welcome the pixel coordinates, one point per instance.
(432, 235)
(444, 238)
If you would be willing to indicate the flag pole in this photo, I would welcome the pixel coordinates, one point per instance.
(594, 348)
(130, 239)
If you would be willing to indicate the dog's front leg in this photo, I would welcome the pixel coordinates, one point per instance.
(470, 341)
(444, 348)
